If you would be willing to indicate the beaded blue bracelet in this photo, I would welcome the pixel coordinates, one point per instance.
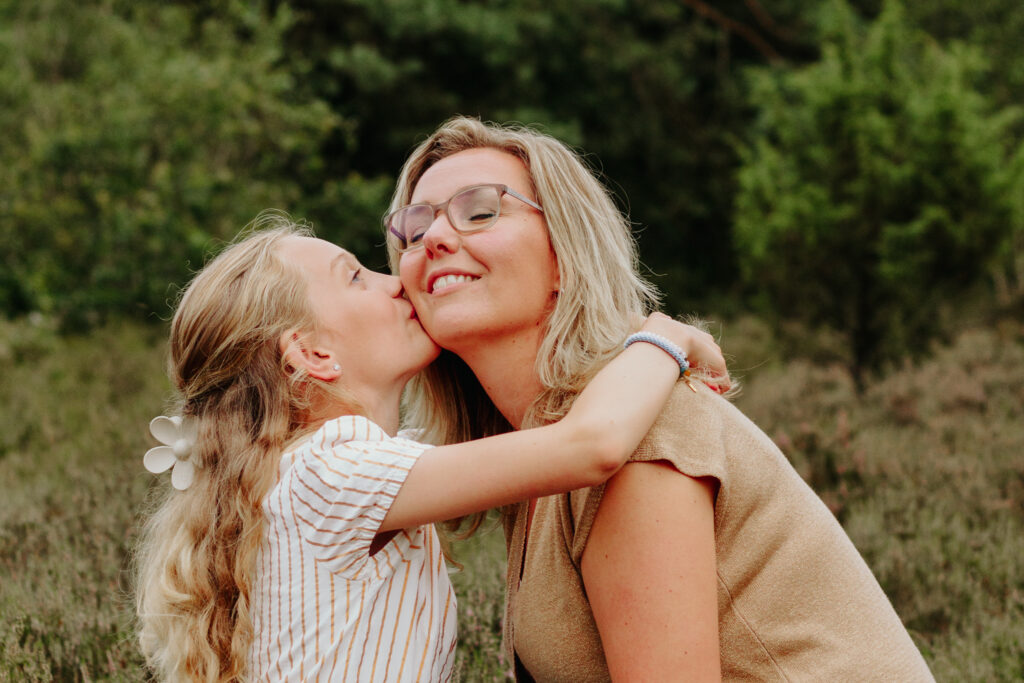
(668, 347)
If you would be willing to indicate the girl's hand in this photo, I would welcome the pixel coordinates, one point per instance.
(702, 351)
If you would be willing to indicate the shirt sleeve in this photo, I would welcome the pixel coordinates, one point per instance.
(687, 434)
(342, 489)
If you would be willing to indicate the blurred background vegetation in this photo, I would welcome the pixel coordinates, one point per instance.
(851, 165)
(841, 181)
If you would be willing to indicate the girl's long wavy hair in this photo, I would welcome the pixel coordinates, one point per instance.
(602, 297)
(196, 560)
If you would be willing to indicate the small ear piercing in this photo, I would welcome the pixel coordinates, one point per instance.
(335, 367)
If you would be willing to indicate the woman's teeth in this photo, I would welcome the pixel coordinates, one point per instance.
(449, 280)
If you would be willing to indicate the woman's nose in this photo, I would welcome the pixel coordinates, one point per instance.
(441, 238)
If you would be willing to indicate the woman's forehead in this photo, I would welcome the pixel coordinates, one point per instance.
(470, 167)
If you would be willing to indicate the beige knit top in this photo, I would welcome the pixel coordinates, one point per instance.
(795, 599)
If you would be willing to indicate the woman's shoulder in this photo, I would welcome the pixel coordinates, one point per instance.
(699, 433)
(690, 431)
(694, 409)
(699, 425)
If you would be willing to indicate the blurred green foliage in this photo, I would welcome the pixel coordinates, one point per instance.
(130, 135)
(136, 136)
(648, 89)
(878, 185)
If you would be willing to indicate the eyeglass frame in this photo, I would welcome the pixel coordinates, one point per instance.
(435, 208)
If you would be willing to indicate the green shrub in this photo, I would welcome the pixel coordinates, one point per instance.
(131, 136)
(875, 188)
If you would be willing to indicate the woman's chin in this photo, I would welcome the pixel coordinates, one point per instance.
(450, 332)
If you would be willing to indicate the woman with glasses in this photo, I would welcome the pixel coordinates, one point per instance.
(706, 556)
(296, 541)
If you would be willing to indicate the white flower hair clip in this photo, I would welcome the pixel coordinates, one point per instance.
(178, 436)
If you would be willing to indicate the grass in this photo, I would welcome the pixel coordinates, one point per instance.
(925, 470)
(71, 434)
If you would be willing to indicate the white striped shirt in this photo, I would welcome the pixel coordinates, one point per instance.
(323, 608)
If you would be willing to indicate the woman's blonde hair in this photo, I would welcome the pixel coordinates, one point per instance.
(196, 559)
(602, 297)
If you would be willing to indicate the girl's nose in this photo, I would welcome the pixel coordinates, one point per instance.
(390, 284)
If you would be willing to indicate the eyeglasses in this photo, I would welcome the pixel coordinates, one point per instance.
(469, 210)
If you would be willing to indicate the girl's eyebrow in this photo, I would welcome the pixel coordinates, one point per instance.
(347, 258)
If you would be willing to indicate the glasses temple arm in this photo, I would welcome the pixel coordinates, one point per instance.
(523, 199)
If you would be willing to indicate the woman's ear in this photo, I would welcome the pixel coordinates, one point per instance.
(299, 352)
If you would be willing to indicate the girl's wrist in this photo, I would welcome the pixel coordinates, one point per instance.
(663, 343)
(666, 345)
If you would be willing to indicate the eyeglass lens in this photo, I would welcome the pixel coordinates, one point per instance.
(471, 210)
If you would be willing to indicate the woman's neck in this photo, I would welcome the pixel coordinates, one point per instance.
(506, 369)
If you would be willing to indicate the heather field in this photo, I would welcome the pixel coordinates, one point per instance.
(925, 470)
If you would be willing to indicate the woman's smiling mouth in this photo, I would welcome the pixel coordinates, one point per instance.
(446, 281)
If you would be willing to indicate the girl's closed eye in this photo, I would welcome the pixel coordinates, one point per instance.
(355, 276)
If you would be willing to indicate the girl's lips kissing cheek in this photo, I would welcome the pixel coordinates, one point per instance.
(445, 281)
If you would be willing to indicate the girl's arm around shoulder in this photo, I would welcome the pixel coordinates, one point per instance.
(605, 425)
(649, 571)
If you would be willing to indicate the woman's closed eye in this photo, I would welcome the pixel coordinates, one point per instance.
(481, 216)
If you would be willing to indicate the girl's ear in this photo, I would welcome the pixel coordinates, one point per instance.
(299, 353)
